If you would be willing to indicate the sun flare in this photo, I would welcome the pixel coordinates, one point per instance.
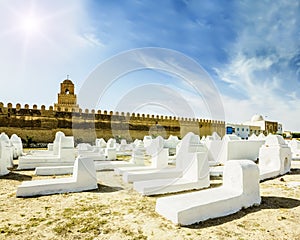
(30, 24)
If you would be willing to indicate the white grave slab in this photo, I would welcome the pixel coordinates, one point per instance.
(111, 150)
(195, 176)
(3, 162)
(65, 156)
(240, 189)
(159, 157)
(124, 148)
(190, 144)
(294, 144)
(95, 152)
(54, 170)
(100, 142)
(147, 141)
(253, 137)
(7, 150)
(233, 148)
(17, 144)
(52, 148)
(274, 157)
(110, 165)
(171, 143)
(214, 146)
(261, 136)
(83, 178)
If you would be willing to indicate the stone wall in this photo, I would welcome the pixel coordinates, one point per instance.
(41, 124)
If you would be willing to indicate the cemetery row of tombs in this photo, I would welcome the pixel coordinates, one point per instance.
(160, 166)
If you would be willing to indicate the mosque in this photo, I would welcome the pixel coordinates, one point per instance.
(40, 123)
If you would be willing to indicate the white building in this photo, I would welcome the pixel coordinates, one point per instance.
(265, 125)
(240, 130)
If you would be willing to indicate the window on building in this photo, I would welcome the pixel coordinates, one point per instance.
(238, 129)
(243, 129)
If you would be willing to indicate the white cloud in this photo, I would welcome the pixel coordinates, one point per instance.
(259, 74)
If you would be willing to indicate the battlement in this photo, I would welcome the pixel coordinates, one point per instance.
(42, 122)
(42, 111)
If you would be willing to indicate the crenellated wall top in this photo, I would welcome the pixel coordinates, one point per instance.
(138, 116)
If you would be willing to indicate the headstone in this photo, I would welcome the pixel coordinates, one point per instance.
(3, 162)
(294, 144)
(195, 173)
(138, 154)
(7, 150)
(233, 148)
(18, 146)
(214, 145)
(147, 141)
(274, 157)
(253, 137)
(240, 189)
(65, 156)
(111, 150)
(100, 142)
(159, 157)
(190, 144)
(83, 178)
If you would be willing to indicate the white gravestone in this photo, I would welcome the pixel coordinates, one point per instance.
(274, 157)
(83, 178)
(240, 189)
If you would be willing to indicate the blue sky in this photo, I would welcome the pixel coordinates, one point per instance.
(251, 50)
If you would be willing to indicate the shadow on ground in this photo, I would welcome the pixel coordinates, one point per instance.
(16, 176)
(106, 189)
(294, 171)
(267, 203)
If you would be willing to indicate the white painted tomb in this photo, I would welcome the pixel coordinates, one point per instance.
(195, 176)
(53, 148)
(190, 144)
(147, 141)
(18, 146)
(54, 170)
(172, 159)
(83, 178)
(95, 152)
(3, 162)
(100, 142)
(84, 147)
(124, 148)
(171, 143)
(7, 150)
(138, 157)
(214, 146)
(159, 157)
(233, 148)
(294, 144)
(138, 154)
(111, 150)
(240, 189)
(261, 136)
(253, 137)
(65, 156)
(136, 142)
(274, 157)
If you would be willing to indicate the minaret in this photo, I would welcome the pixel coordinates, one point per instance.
(67, 100)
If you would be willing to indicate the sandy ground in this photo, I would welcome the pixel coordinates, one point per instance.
(115, 211)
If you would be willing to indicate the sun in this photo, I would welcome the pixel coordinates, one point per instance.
(30, 24)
